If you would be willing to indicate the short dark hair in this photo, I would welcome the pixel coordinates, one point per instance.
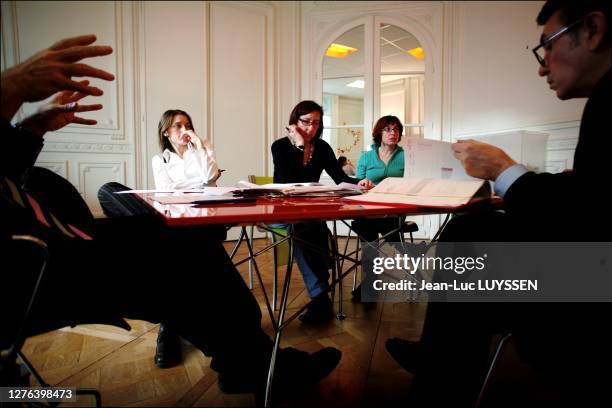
(304, 108)
(164, 123)
(384, 122)
(574, 10)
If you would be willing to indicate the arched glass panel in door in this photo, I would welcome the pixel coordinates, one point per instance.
(343, 94)
(402, 67)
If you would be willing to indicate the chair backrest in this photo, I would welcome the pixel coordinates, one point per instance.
(281, 251)
(30, 254)
(260, 180)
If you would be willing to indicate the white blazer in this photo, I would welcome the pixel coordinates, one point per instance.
(197, 169)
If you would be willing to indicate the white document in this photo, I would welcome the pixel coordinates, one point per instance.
(425, 192)
(426, 158)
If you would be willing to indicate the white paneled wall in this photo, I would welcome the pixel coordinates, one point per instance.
(175, 67)
(495, 83)
(242, 100)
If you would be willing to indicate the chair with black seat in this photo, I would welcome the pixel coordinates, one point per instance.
(31, 255)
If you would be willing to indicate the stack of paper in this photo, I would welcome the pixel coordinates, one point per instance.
(296, 190)
(426, 192)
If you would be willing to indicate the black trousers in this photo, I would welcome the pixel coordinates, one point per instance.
(369, 228)
(567, 343)
(118, 274)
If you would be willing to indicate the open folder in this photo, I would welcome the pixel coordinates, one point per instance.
(426, 192)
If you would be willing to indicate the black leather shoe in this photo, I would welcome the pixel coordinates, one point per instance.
(406, 353)
(294, 370)
(168, 351)
(320, 310)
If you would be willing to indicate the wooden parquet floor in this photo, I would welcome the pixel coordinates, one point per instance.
(120, 363)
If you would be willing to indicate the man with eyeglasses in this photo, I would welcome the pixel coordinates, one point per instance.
(567, 343)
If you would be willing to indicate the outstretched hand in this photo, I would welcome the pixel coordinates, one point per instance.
(60, 111)
(50, 71)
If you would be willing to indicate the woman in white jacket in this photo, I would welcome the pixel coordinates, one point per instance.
(186, 161)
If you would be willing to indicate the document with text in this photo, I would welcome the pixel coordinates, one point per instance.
(427, 192)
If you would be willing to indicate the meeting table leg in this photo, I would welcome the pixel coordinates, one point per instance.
(280, 327)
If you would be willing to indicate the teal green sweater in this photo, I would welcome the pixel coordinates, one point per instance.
(371, 167)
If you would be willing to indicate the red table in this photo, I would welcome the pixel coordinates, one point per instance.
(289, 211)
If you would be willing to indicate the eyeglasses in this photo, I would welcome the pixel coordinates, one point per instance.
(545, 44)
(307, 123)
(390, 129)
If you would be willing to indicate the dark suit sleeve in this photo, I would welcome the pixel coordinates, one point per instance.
(20, 150)
(552, 206)
(333, 168)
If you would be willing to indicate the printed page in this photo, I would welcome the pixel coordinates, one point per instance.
(382, 198)
(425, 192)
(427, 187)
(426, 158)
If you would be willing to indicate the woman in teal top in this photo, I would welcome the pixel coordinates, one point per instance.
(386, 159)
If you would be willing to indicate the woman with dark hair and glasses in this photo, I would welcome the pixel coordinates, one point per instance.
(385, 159)
(301, 157)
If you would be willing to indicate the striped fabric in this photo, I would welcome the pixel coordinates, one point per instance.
(16, 198)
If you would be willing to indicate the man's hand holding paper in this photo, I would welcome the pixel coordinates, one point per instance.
(481, 160)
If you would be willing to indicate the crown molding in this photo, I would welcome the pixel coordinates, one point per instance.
(76, 147)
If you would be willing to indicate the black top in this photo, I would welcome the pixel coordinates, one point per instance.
(571, 205)
(288, 167)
